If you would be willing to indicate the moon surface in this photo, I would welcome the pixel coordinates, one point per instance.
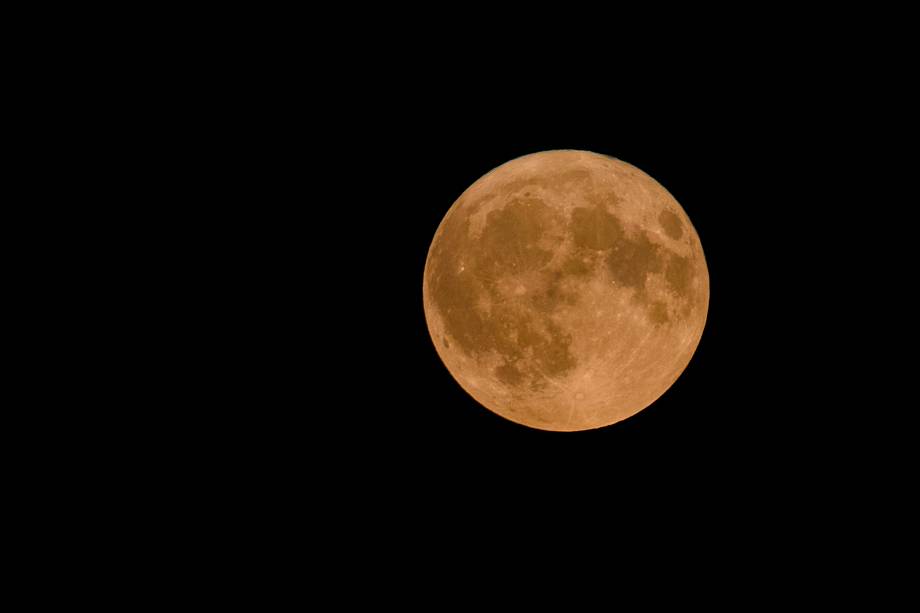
(566, 290)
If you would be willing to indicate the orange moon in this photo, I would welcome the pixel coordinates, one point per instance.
(566, 290)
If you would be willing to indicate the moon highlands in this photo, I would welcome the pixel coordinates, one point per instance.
(566, 290)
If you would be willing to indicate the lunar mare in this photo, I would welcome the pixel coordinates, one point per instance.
(566, 290)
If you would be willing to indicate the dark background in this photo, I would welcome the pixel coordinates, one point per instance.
(260, 203)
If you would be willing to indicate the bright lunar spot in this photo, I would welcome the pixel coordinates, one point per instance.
(566, 290)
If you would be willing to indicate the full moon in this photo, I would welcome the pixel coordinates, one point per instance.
(566, 290)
